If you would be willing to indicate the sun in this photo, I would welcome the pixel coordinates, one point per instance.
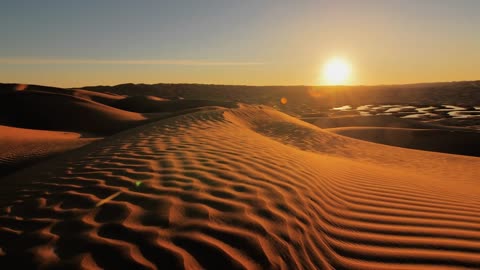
(336, 71)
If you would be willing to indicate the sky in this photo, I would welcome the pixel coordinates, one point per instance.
(250, 42)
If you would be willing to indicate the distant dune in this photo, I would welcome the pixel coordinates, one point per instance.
(57, 111)
(151, 104)
(460, 93)
(245, 188)
(369, 121)
(406, 133)
(446, 141)
(20, 147)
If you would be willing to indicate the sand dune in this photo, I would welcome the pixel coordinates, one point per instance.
(142, 104)
(370, 121)
(54, 111)
(105, 98)
(20, 147)
(456, 93)
(446, 141)
(149, 104)
(244, 188)
(400, 132)
(86, 113)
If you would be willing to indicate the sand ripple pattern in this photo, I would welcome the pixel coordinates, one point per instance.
(208, 191)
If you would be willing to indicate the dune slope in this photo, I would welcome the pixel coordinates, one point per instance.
(246, 188)
(149, 104)
(54, 111)
(20, 147)
(371, 121)
(446, 141)
(105, 98)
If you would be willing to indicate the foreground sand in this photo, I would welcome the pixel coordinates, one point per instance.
(246, 188)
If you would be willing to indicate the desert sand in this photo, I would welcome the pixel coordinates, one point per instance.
(20, 147)
(407, 133)
(446, 141)
(222, 185)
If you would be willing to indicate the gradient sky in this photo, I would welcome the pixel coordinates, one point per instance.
(271, 42)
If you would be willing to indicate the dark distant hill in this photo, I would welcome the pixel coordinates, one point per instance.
(466, 93)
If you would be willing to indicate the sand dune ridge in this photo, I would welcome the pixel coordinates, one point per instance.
(233, 189)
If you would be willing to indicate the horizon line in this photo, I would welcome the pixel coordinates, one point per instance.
(251, 85)
(287, 85)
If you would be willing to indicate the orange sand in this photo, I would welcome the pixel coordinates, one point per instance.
(20, 147)
(244, 188)
(452, 141)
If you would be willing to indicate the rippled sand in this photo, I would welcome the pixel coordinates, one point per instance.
(244, 188)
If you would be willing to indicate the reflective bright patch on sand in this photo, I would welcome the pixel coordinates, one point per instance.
(401, 108)
(464, 114)
(423, 109)
(420, 115)
(412, 111)
(342, 108)
(364, 107)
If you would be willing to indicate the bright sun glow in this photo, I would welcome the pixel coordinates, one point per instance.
(336, 71)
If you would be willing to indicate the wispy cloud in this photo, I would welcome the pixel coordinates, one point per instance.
(179, 62)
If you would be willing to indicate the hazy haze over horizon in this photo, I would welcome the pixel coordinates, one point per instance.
(67, 43)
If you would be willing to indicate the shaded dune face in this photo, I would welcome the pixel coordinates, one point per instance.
(371, 121)
(446, 141)
(406, 133)
(105, 98)
(245, 188)
(150, 104)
